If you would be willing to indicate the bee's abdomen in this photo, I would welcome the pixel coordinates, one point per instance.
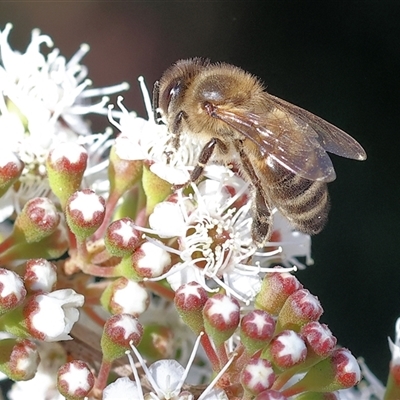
(305, 203)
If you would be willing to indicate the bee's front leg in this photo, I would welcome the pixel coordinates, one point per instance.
(204, 157)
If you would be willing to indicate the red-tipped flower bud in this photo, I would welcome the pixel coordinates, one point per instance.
(257, 329)
(124, 296)
(66, 165)
(85, 212)
(38, 219)
(221, 317)
(189, 301)
(339, 371)
(257, 376)
(275, 289)
(75, 380)
(19, 359)
(118, 332)
(122, 238)
(40, 275)
(12, 290)
(11, 168)
(300, 308)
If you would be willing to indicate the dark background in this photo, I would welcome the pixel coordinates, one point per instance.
(338, 59)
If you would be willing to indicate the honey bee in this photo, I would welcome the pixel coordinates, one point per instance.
(278, 147)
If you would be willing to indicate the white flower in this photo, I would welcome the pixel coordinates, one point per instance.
(213, 227)
(42, 103)
(142, 139)
(167, 377)
(59, 307)
(122, 388)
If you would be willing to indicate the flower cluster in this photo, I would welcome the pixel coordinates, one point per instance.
(110, 255)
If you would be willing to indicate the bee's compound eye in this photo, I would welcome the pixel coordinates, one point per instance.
(171, 92)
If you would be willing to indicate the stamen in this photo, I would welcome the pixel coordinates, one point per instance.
(135, 373)
(146, 98)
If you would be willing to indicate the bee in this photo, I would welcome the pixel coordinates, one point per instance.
(279, 148)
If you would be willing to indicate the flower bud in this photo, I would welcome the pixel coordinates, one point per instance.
(12, 290)
(118, 332)
(19, 359)
(256, 330)
(339, 371)
(189, 301)
(155, 188)
(300, 308)
(122, 174)
(40, 275)
(319, 340)
(275, 289)
(257, 376)
(85, 212)
(38, 219)
(150, 260)
(66, 165)
(124, 296)
(121, 238)
(286, 350)
(221, 317)
(11, 168)
(75, 380)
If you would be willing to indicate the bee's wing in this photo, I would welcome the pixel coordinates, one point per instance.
(330, 137)
(295, 138)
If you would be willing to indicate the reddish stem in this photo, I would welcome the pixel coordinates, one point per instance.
(101, 381)
(212, 356)
(110, 207)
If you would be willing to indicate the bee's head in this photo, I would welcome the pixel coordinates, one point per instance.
(174, 83)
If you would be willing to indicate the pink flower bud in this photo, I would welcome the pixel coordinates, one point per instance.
(124, 296)
(85, 212)
(257, 376)
(12, 290)
(257, 329)
(38, 219)
(19, 359)
(338, 371)
(66, 165)
(300, 308)
(276, 288)
(119, 331)
(122, 238)
(318, 338)
(75, 380)
(11, 168)
(347, 370)
(150, 260)
(40, 275)
(190, 299)
(221, 317)
(287, 350)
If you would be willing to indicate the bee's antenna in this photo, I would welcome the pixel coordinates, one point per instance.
(156, 93)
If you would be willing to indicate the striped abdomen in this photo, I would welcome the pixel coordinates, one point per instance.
(303, 202)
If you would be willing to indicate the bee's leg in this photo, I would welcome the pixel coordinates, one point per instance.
(176, 128)
(205, 156)
(261, 229)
